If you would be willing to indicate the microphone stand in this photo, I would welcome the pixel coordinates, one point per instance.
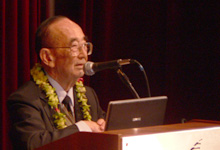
(127, 82)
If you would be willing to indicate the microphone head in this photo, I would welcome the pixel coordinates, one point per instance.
(88, 68)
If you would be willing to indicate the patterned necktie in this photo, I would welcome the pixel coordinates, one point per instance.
(70, 116)
(66, 103)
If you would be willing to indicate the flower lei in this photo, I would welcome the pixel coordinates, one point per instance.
(41, 80)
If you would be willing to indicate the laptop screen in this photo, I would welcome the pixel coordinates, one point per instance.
(134, 113)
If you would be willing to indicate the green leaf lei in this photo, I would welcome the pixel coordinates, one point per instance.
(41, 80)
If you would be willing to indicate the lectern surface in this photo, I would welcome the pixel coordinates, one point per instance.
(188, 136)
(197, 124)
(198, 134)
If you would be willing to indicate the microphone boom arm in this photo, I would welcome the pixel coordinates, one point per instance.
(127, 82)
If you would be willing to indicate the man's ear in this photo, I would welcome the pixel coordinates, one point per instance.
(47, 57)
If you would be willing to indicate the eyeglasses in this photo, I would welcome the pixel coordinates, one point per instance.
(88, 47)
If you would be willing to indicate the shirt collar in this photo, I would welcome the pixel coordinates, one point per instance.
(61, 93)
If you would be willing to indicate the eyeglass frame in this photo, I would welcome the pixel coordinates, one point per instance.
(80, 46)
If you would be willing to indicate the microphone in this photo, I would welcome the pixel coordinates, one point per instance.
(90, 68)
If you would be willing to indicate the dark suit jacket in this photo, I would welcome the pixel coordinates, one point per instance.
(31, 116)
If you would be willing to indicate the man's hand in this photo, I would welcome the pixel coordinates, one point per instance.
(98, 126)
(101, 123)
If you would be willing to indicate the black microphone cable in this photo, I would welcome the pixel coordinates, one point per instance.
(145, 75)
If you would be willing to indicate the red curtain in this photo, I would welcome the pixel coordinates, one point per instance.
(177, 42)
(19, 21)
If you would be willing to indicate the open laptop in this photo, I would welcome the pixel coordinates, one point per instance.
(134, 113)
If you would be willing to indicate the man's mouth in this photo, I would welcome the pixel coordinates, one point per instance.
(80, 65)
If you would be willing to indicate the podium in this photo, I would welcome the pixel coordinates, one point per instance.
(193, 135)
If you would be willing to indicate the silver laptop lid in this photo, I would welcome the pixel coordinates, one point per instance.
(134, 113)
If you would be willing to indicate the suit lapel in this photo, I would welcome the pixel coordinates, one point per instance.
(46, 108)
(69, 118)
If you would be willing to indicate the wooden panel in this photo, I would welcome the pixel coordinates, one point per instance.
(83, 141)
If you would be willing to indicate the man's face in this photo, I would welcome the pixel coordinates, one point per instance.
(68, 64)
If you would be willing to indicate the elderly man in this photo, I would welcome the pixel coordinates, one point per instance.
(55, 103)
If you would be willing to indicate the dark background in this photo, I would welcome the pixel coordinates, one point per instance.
(177, 42)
